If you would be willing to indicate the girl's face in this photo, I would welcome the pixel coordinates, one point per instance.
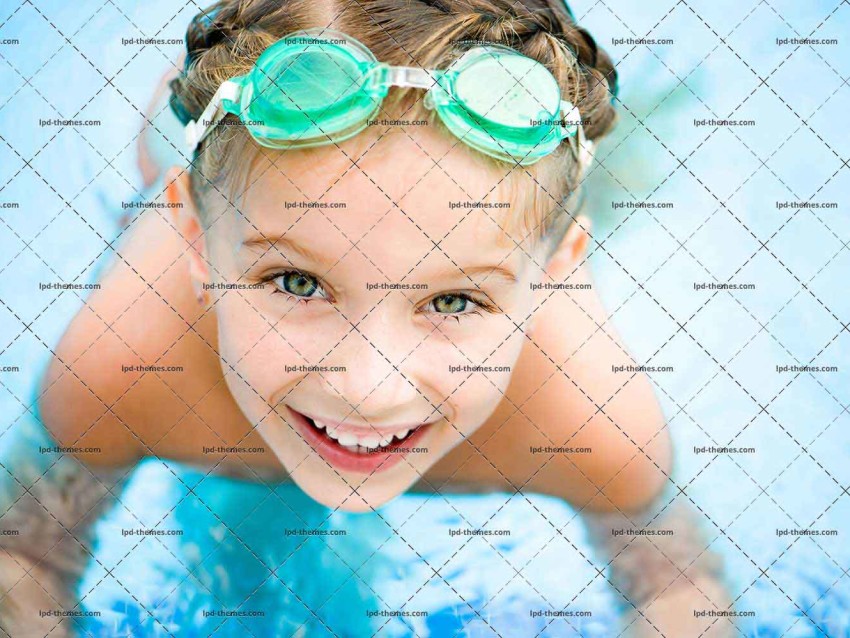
(372, 318)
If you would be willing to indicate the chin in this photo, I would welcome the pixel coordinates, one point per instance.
(334, 493)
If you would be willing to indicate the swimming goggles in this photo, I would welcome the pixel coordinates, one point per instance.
(319, 87)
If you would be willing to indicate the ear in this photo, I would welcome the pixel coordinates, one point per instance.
(571, 250)
(184, 216)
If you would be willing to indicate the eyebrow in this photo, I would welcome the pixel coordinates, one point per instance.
(283, 244)
(468, 272)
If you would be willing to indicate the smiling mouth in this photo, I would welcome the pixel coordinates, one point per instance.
(356, 450)
(361, 444)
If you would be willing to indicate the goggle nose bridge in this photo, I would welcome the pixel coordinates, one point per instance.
(409, 76)
(383, 76)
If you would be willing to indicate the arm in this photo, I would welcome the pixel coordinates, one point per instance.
(663, 583)
(49, 503)
(618, 483)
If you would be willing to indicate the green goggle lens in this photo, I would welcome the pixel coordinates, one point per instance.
(502, 104)
(305, 95)
(529, 89)
(307, 81)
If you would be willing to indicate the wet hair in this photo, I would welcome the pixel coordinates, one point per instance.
(224, 41)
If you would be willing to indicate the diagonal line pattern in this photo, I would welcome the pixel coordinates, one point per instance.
(599, 246)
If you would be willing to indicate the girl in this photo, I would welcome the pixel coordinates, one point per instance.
(370, 279)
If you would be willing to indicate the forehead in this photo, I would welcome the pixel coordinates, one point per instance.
(402, 198)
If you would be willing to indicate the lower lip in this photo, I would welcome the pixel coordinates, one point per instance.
(344, 459)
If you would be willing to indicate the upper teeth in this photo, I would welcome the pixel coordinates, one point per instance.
(371, 441)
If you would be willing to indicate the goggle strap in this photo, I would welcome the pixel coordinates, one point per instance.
(196, 131)
(571, 117)
(584, 148)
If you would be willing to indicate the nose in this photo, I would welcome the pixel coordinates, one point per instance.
(373, 374)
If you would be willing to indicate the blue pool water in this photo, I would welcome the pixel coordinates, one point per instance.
(723, 391)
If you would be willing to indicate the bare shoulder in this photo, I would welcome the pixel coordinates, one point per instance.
(95, 394)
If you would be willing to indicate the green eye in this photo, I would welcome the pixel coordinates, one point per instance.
(298, 284)
(450, 304)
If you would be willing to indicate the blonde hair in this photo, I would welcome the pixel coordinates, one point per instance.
(224, 41)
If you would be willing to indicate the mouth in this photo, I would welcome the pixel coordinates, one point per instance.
(359, 450)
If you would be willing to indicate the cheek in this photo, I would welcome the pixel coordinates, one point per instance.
(261, 350)
(472, 374)
(492, 341)
(475, 400)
